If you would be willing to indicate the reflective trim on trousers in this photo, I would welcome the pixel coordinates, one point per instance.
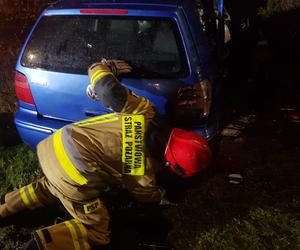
(29, 197)
(78, 233)
(70, 235)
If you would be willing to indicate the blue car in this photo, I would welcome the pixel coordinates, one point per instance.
(162, 40)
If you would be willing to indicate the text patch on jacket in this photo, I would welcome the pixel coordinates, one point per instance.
(133, 129)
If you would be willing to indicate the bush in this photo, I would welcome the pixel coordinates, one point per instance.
(278, 6)
(22, 6)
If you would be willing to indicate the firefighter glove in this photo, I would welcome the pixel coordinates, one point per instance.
(117, 67)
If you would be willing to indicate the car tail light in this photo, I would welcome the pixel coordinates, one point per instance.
(105, 11)
(22, 88)
(194, 101)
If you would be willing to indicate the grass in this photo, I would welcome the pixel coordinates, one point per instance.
(229, 223)
(213, 216)
(263, 228)
(260, 213)
(18, 167)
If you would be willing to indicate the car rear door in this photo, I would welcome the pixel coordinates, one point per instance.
(61, 48)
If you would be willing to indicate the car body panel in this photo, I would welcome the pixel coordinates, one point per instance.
(60, 97)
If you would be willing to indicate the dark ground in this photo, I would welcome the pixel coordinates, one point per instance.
(262, 83)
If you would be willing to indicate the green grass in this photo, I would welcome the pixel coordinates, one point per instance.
(18, 167)
(260, 213)
(262, 229)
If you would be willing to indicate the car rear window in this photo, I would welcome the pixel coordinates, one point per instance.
(71, 43)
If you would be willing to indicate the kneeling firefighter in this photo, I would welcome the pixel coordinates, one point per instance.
(82, 160)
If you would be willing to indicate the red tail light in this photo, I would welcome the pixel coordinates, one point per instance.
(195, 101)
(22, 88)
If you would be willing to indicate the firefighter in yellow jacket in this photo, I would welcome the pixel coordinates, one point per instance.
(82, 160)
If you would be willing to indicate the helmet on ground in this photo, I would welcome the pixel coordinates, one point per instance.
(187, 153)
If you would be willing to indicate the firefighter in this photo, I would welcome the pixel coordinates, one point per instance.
(82, 160)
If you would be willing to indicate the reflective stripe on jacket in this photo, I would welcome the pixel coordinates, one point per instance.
(84, 158)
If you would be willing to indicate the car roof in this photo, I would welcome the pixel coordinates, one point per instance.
(66, 4)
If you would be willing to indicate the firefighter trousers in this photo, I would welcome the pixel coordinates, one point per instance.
(88, 228)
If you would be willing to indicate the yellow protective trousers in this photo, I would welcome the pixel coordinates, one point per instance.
(88, 229)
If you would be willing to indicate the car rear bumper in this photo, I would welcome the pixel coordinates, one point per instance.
(209, 129)
(32, 128)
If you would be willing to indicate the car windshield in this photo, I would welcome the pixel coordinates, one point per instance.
(72, 43)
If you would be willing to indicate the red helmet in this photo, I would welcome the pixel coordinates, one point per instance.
(187, 152)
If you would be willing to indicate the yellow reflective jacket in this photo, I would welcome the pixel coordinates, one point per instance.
(85, 158)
